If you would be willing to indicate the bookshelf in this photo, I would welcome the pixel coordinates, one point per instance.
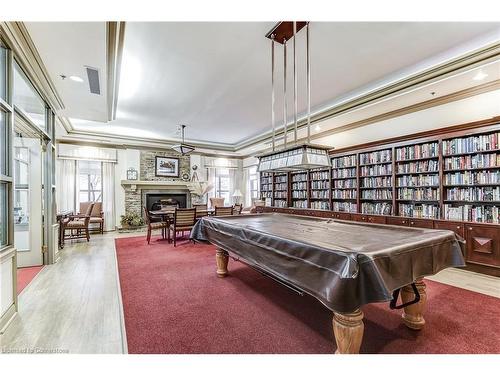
(471, 180)
(299, 189)
(266, 187)
(417, 180)
(280, 190)
(344, 179)
(319, 189)
(376, 186)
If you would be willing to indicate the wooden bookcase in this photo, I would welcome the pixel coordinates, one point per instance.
(447, 178)
(280, 189)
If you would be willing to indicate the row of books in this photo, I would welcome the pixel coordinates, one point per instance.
(419, 166)
(376, 170)
(320, 194)
(376, 208)
(424, 211)
(472, 178)
(486, 193)
(266, 194)
(299, 194)
(281, 186)
(280, 194)
(266, 187)
(319, 175)
(372, 182)
(419, 180)
(375, 157)
(299, 177)
(419, 194)
(266, 180)
(281, 178)
(320, 185)
(345, 207)
(299, 186)
(344, 184)
(344, 161)
(344, 173)
(426, 150)
(376, 194)
(320, 205)
(478, 214)
(280, 203)
(344, 194)
(486, 142)
(299, 204)
(472, 161)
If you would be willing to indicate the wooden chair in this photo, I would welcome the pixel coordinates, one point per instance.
(78, 225)
(96, 216)
(237, 208)
(152, 225)
(184, 220)
(223, 211)
(214, 202)
(201, 210)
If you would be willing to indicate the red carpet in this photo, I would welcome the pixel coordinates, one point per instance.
(25, 275)
(174, 303)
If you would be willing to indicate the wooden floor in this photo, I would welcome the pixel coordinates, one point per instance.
(75, 305)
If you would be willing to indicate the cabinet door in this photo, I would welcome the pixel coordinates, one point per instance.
(358, 217)
(456, 227)
(342, 215)
(421, 223)
(376, 219)
(392, 220)
(483, 244)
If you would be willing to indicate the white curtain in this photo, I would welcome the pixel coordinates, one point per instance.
(245, 190)
(66, 198)
(108, 195)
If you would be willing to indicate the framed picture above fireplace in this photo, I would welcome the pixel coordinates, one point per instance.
(166, 166)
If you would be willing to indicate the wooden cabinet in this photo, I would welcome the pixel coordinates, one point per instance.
(393, 220)
(358, 217)
(342, 215)
(421, 223)
(483, 244)
(455, 226)
(375, 219)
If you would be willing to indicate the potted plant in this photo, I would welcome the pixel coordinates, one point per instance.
(131, 220)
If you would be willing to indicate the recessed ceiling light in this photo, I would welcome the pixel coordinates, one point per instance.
(76, 79)
(317, 128)
(480, 76)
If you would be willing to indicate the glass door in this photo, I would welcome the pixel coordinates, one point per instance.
(28, 224)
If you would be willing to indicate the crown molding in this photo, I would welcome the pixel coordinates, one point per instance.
(115, 35)
(17, 38)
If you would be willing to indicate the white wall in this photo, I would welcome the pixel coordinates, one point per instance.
(128, 158)
(475, 108)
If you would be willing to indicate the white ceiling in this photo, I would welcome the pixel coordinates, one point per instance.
(66, 48)
(215, 77)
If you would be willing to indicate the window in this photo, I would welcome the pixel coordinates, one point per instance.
(26, 99)
(253, 183)
(222, 182)
(90, 181)
(3, 73)
(3, 214)
(3, 143)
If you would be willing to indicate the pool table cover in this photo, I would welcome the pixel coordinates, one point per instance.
(343, 264)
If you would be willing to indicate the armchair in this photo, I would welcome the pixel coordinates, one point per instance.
(78, 225)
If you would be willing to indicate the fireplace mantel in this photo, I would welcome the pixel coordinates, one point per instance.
(141, 184)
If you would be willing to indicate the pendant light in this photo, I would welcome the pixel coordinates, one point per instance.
(182, 147)
(298, 156)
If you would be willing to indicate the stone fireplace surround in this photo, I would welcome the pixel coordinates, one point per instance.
(136, 191)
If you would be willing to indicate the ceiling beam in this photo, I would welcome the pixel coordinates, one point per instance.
(115, 35)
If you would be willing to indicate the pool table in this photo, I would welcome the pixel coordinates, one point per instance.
(343, 264)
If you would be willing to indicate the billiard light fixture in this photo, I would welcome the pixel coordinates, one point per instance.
(183, 148)
(298, 156)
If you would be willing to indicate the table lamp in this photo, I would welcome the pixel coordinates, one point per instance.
(237, 196)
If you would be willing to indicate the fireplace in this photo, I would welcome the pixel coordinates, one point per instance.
(152, 200)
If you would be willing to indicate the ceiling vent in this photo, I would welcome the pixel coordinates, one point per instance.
(93, 76)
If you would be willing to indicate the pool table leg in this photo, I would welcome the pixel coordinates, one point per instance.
(222, 258)
(413, 315)
(348, 330)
